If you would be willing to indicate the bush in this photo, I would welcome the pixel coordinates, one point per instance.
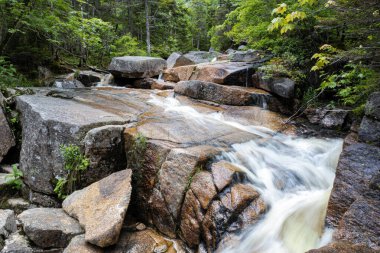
(15, 178)
(74, 163)
(9, 76)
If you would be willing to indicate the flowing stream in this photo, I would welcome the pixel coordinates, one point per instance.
(293, 175)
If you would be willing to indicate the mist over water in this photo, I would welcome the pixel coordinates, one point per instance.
(293, 175)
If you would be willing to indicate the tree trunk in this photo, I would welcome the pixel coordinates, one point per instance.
(148, 46)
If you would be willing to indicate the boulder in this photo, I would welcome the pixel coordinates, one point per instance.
(6, 134)
(334, 119)
(369, 130)
(49, 227)
(7, 223)
(343, 247)
(17, 243)
(196, 57)
(111, 197)
(79, 245)
(245, 56)
(104, 147)
(281, 86)
(228, 95)
(358, 165)
(228, 73)
(328, 117)
(49, 122)
(372, 108)
(177, 60)
(89, 78)
(179, 73)
(68, 84)
(136, 66)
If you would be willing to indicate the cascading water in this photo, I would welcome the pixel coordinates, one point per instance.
(106, 80)
(293, 175)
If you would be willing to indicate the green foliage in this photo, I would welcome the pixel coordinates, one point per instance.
(74, 164)
(127, 45)
(14, 179)
(352, 84)
(136, 153)
(9, 75)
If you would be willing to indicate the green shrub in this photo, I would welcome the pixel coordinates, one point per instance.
(74, 163)
(9, 76)
(14, 179)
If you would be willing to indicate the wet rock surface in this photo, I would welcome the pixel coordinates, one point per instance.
(354, 208)
(136, 66)
(105, 121)
(101, 207)
(49, 227)
(358, 165)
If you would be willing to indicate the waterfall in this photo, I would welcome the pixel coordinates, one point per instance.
(160, 76)
(293, 175)
(106, 80)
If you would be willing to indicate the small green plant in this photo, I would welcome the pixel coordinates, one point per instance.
(136, 154)
(74, 163)
(14, 179)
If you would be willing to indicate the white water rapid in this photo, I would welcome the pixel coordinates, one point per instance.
(293, 175)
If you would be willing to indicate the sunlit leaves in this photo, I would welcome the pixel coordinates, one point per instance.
(308, 2)
(281, 9)
(291, 17)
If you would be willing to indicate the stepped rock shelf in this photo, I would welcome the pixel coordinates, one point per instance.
(188, 163)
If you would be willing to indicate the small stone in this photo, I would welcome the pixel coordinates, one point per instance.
(17, 243)
(161, 248)
(49, 227)
(140, 226)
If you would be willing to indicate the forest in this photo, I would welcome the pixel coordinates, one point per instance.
(326, 45)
